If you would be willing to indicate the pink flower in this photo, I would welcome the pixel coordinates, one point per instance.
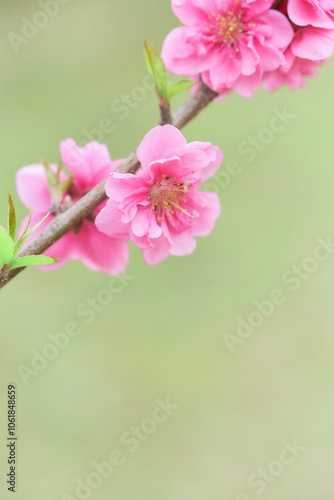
(160, 206)
(318, 13)
(315, 44)
(89, 165)
(310, 48)
(230, 42)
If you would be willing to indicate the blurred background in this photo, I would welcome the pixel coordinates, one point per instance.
(239, 397)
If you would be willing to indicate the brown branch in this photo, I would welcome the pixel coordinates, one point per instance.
(66, 221)
(166, 116)
(190, 109)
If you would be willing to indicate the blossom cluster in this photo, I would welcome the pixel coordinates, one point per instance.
(229, 44)
(161, 209)
(239, 44)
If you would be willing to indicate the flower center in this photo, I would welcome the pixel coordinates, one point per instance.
(230, 27)
(226, 26)
(166, 197)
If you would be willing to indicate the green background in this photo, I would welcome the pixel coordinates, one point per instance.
(165, 334)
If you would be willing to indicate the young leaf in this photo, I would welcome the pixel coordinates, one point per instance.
(66, 184)
(33, 260)
(26, 235)
(18, 243)
(12, 223)
(6, 247)
(148, 58)
(49, 174)
(159, 73)
(179, 87)
(65, 169)
(58, 174)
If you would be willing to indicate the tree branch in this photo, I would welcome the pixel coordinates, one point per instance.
(66, 221)
(166, 116)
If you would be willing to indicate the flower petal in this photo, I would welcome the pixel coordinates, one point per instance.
(192, 12)
(158, 252)
(74, 158)
(182, 52)
(160, 143)
(314, 44)
(120, 186)
(213, 160)
(108, 221)
(99, 252)
(309, 12)
(144, 223)
(32, 188)
(208, 206)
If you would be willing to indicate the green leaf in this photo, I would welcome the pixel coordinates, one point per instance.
(26, 235)
(58, 174)
(157, 69)
(18, 243)
(6, 247)
(179, 87)
(49, 174)
(159, 73)
(33, 260)
(12, 222)
(66, 184)
(65, 169)
(148, 58)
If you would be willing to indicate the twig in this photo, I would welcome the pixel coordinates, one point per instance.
(66, 221)
(166, 116)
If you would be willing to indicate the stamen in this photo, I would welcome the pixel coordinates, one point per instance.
(166, 196)
(227, 25)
